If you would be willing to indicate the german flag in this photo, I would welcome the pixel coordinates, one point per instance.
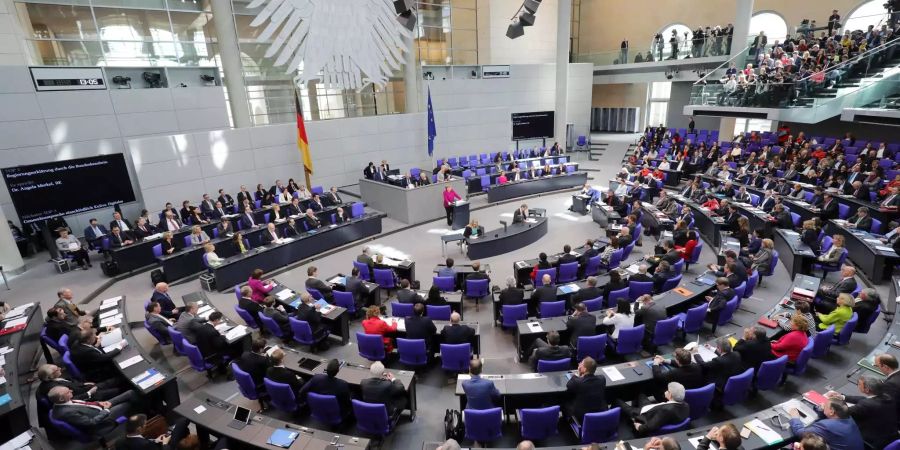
(302, 140)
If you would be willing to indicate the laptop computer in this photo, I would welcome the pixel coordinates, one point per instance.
(240, 419)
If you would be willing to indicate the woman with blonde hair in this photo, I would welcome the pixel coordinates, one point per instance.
(833, 255)
(212, 259)
(762, 261)
(198, 236)
(792, 343)
(839, 316)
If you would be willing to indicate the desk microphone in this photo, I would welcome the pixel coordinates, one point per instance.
(503, 222)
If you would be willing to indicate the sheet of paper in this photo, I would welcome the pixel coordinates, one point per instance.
(284, 294)
(205, 309)
(110, 301)
(111, 338)
(613, 374)
(8, 349)
(706, 353)
(223, 327)
(19, 309)
(108, 313)
(535, 327)
(131, 361)
(151, 381)
(19, 442)
(696, 441)
(200, 409)
(2, 380)
(884, 248)
(116, 346)
(15, 322)
(236, 332)
(764, 432)
(874, 241)
(112, 320)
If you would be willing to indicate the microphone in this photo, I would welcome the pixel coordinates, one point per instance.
(503, 222)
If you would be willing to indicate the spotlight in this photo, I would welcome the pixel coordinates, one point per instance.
(515, 29)
(531, 5)
(122, 82)
(526, 19)
(153, 80)
(207, 78)
(669, 75)
(406, 13)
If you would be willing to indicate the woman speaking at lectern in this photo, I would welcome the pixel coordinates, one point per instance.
(450, 196)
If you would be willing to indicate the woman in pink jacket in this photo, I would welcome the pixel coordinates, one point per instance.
(792, 344)
(260, 288)
(449, 197)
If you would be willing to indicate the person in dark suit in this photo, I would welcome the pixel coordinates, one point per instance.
(207, 206)
(566, 256)
(754, 348)
(366, 258)
(340, 216)
(226, 200)
(142, 229)
(134, 439)
(312, 222)
(354, 285)
(457, 333)
(480, 392)
(316, 203)
(93, 418)
(892, 200)
(247, 304)
(682, 370)
(727, 363)
(255, 362)
(119, 221)
(642, 275)
(589, 253)
(591, 291)
(861, 191)
(861, 220)
(648, 314)
(52, 376)
(830, 209)
(581, 323)
(308, 311)
(717, 302)
(56, 324)
(156, 320)
(188, 322)
(279, 316)
(874, 411)
(271, 235)
(421, 327)
(407, 295)
(782, 217)
(586, 391)
(94, 232)
(243, 195)
(383, 388)
(119, 238)
(161, 295)
(648, 419)
(294, 209)
(477, 273)
(247, 219)
(332, 197)
(312, 281)
(521, 214)
(662, 274)
(280, 374)
(512, 295)
(212, 345)
(291, 229)
(546, 292)
(95, 364)
(866, 304)
(329, 384)
(886, 363)
(828, 294)
(549, 350)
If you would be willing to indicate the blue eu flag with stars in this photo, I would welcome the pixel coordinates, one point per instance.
(432, 129)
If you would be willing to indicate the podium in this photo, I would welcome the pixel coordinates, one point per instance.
(580, 203)
(460, 215)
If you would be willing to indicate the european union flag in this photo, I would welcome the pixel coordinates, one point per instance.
(432, 129)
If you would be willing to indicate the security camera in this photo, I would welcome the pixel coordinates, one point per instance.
(153, 80)
(122, 81)
(207, 78)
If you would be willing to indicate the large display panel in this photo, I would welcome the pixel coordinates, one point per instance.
(532, 125)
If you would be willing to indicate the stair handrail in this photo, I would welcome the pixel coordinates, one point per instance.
(702, 80)
(855, 59)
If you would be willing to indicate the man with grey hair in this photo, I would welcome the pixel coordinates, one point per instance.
(651, 417)
(188, 322)
(588, 293)
(51, 376)
(64, 296)
(873, 411)
(94, 418)
(726, 364)
(383, 388)
(642, 274)
(253, 308)
(525, 445)
(866, 305)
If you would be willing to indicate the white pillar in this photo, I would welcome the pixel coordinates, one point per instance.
(230, 52)
(563, 32)
(10, 259)
(742, 14)
(411, 77)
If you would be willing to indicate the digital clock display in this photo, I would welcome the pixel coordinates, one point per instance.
(71, 82)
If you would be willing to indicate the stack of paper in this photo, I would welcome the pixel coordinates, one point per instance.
(151, 380)
(111, 320)
(535, 327)
(706, 353)
(131, 361)
(769, 436)
(15, 322)
(613, 373)
(111, 338)
(20, 441)
(284, 294)
(109, 313)
(110, 302)
(696, 442)
(116, 346)
(236, 332)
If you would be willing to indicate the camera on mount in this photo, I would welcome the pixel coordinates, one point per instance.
(153, 80)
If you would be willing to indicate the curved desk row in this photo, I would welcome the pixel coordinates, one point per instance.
(337, 318)
(500, 241)
(710, 226)
(876, 259)
(19, 350)
(522, 268)
(147, 377)
(215, 415)
(474, 184)
(236, 269)
(236, 334)
(533, 186)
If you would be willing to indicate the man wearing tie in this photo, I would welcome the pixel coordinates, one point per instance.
(217, 212)
(312, 222)
(118, 238)
(271, 234)
(861, 191)
(94, 232)
(94, 418)
(854, 174)
(171, 222)
(226, 200)
(893, 199)
(829, 207)
(142, 229)
(316, 202)
(207, 206)
(861, 220)
(244, 195)
(161, 296)
(332, 197)
(294, 208)
(276, 189)
(118, 220)
(247, 220)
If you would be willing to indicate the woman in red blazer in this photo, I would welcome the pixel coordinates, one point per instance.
(794, 341)
(689, 246)
(374, 325)
(260, 288)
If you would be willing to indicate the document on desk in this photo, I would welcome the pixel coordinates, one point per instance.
(112, 320)
(200, 409)
(872, 241)
(569, 288)
(204, 309)
(632, 269)
(111, 338)
(884, 248)
(236, 332)
(150, 380)
(223, 327)
(338, 280)
(20, 441)
(115, 346)
(108, 313)
(15, 322)
(284, 294)
(706, 353)
(535, 327)
(18, 310)
(613, 374)
(131, 361)
(696, 442)
(110, 302)
(765, 433)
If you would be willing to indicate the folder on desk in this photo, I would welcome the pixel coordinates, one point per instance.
(767, 322)
(283, 438)
(815, 398)
(684, 292)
